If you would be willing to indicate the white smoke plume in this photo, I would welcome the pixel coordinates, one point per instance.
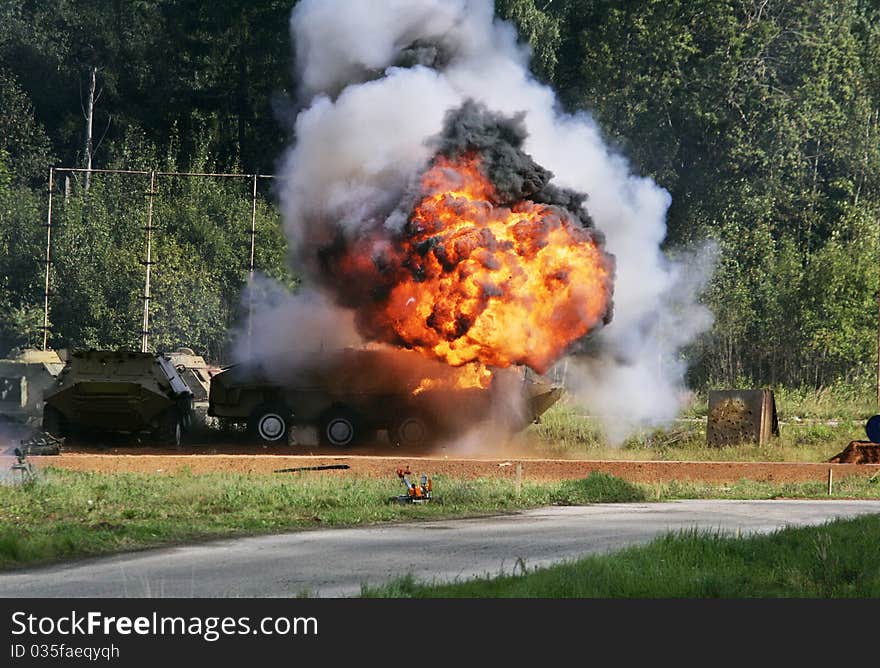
(640, 381)
(11, 435)
(376, 80)
(312, 326)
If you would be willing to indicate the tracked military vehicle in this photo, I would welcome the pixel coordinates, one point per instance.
(119, 391)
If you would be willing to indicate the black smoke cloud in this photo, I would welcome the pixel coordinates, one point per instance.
(499, 140)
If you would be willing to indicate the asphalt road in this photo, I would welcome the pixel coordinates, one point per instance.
(336, 562)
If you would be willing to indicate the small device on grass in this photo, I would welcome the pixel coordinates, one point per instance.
(421, 492)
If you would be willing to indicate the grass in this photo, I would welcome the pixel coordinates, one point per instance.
(854, 487)
(565, 431)
(66, 514)
(837, 560)
(855, 402)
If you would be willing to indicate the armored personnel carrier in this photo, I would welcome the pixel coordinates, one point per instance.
(197, 374)
(349, 395)
(24, 376)
(119, 391)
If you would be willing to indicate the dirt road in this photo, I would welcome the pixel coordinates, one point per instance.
(532, 468)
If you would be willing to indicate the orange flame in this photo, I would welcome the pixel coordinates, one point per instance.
(470, 376)
(477, 282)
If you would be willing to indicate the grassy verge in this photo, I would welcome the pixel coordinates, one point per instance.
(839, 559)
(566, 432)
(66, 514)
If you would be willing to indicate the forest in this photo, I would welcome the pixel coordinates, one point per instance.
(760, 117)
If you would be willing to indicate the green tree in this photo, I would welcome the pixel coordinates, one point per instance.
(22, 138)
(21, 280)
(539, 29)
(760, 120)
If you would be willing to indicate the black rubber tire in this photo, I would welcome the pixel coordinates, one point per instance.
(170, 431)
(270, 423)
(412, 431)
(341, 427)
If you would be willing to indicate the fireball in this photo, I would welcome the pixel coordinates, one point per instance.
(472, 280)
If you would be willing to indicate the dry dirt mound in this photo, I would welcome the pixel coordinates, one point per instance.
(858, 452)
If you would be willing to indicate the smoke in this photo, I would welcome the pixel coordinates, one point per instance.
(11, 435)
(499, 141)
(289, 330)
(376, 84)
(635, 378)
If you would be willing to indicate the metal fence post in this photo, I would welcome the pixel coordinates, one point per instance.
(145, 332)
(250, 287)
(48, 260)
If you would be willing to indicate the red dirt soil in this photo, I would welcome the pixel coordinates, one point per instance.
(858, 452)
(532, 469)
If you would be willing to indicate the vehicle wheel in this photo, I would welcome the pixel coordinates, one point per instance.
(412, 431)
(170, 431)
(54, 422)
(271, 423)
(340, 428)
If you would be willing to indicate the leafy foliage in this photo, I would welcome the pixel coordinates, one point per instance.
(21, 315)
(761, 119)
(762, 122)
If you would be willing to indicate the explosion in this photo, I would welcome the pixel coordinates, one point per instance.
(472, 279)
(419, 218)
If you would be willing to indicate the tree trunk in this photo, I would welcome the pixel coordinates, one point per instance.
(90, 115)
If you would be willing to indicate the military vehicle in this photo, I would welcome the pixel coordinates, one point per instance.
(119, 391)
(24, 376)
(351, 394)
(197, 375)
